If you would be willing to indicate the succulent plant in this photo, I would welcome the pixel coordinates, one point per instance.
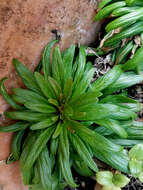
(64, 119)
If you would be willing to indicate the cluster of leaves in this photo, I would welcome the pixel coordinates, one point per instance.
(126, 21)
(110, 181)
(64, 120)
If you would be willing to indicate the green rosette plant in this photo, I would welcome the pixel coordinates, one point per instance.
(63, 119)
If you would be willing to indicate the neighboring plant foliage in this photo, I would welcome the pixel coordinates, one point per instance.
(124, 28)
(64, 120)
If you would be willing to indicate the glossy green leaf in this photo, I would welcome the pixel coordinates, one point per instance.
(26, 75)
(18, 126)
(46, 59)
(41, 107)
(58, 130)
(129, 31)
(37, 148)
(44, 85)
(44, 169)
(125, 20)
(68, 57)
(126, 80)
(104, 177)
(58, 70)
(136, 152)
(120, 180)
(92, 137)
(135, 167)
(80, 67)
(26, 116)
(45, 123)
(5, 95)
(83, 152)
(84, 83)
(64, 158)
(122, 101)
(135, 62)
(68, 89)
(17, 144)
(55, 86)
(23, 96)
(108, 9)
(113, 125)
(108, 79)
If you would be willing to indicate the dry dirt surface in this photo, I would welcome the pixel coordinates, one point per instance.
(26, 26)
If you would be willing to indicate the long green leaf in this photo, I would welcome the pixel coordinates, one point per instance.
(45, 123)
(83, 152)
(84, 83)
(18, 126)
(80, 67)
(113, 125)
(16, 144)
(68, 57)
(92, 137)
(26, 76)
(126, 80)
(44, 85)
(37, 148)
(26, 116)
(108, 79)
(46, 59)
(44, 169)
(64, 158)
(27, 96)
(5, 95)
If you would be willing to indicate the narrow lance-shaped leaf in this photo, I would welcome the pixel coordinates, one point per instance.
(37, 147)
(84, 83)
(108, 79)
(26, 76)
(58, 130)
(92, 137)
(26, 116)
(125, 20)
(27, 96)
(5, 95)
(126, 80)
(27, 173)
(68, 89)
(45, 123)
(41, 107)
(113, 125)
(18, 126)
(108, 9)
(135, 62)
(16, 144)
(122, 101)
(44, 168)
(68, 56)
(80, 67)
(46, 59)
(44, 85)
(55, 86)
(130, 31)
(83, 152)
(64, 158)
